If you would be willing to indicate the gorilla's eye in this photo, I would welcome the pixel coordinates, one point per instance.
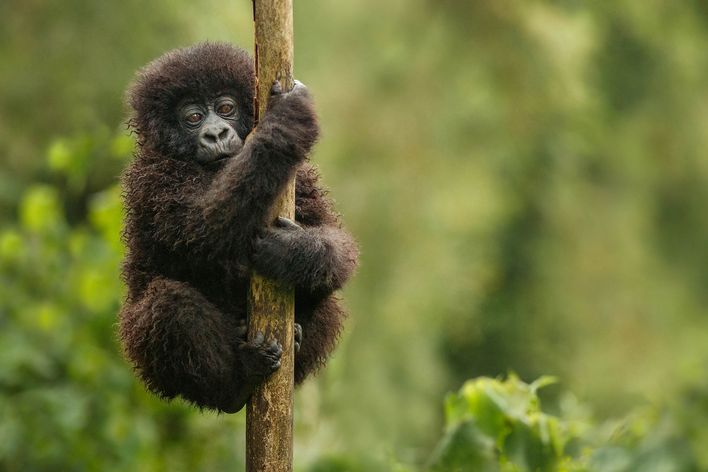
(225, 109)
(194, 118)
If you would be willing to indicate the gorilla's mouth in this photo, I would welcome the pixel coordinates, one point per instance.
(219, 152)
(226, 153)
(217, 160)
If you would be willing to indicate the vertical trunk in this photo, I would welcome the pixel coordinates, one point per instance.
(269, 420)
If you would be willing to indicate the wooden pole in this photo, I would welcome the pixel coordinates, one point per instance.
(269, 417)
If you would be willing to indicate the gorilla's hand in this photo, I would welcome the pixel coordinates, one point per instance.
(278, 96)
(286, 252)
(293, 119)
(297, 337)
(242, 333)
(259, 358)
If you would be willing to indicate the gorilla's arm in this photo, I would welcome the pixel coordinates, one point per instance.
(184, 206)
(316, 254)
(319, 259)
(239, 198)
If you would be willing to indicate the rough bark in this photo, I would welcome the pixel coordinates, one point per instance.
(269, 420)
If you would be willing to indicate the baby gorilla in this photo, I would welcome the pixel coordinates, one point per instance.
(197, 198)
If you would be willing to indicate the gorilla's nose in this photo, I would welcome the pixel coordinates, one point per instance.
(217, 133)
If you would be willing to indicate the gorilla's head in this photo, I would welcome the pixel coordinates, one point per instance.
(194, 103)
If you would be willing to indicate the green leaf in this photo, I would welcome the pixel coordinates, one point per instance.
(59, 155)
(525, 448)
(11, 245)
(40, 210)
(465, 449)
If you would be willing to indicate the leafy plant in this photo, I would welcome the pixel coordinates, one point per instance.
(499, 426)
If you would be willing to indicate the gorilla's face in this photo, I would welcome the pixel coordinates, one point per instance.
(213, 126)
(194, 104)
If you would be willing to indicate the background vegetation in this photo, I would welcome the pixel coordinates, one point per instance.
(527, 179)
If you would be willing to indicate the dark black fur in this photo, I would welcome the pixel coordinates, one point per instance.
(194, 231)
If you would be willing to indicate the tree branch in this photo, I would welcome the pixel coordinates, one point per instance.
(269, 420)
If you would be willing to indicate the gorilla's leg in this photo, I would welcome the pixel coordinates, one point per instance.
(181, 344)
(321, 325)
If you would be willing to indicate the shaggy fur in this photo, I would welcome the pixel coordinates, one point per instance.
(195, 231)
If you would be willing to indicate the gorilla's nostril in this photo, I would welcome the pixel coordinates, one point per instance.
(209, 138)
(223, 134)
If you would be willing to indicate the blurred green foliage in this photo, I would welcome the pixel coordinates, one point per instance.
(527, 180)
(499, 426)
(67, 400)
